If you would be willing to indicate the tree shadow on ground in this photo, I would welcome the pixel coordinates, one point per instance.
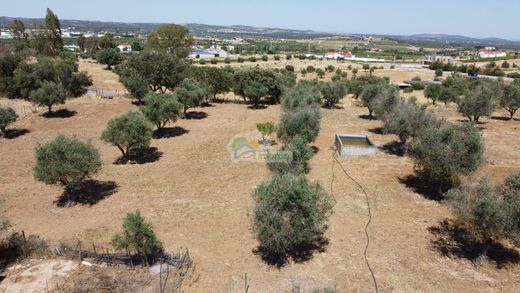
(207, 105)
(137, 103)
(504, 118)
(377, 130)
(425, 187)
(395, 148)
(168, 132)
(300, 254)
(454, 241)
(15, 133)
(90, 192)
(366, 117)
(195, 115)
(142, 156)
(62, 113)
(257, 107)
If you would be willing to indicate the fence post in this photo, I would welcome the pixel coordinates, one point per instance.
(24, 244)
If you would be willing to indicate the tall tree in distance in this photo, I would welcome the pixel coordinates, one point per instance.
(81, 42)
(18, 30)
(171, 38)
(53, 27)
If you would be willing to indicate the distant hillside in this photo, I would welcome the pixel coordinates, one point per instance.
(196, 29)
(242, 31)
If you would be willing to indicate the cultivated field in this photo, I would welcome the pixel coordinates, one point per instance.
(197, 197)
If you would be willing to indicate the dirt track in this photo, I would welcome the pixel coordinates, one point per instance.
(195, 196)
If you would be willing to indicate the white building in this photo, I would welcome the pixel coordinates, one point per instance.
(339, 55)
(6, 35)
(125, 48)
(491, 54)
(201, 53)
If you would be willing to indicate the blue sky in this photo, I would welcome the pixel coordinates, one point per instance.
(477, 18)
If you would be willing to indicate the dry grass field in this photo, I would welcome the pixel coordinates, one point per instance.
(197, 197)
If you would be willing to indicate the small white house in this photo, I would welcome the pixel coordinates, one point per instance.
(200, 53)
(125, 48)
(491, 54)
(6, 35)
(339, 55)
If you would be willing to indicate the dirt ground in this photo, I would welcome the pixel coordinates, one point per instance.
(197, 197)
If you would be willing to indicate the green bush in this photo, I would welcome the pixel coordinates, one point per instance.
(331, 68)
(288, 56)
(48, 95)
(266, 129)
(240, 60)
(289, 212)
(509, 99)
(333, 92)
(190, 94)
(128, 132)
(480, 100)
(302, 95)
(7, 116)
(136, 86)
(161, 109)
(67, 162)
(227, 60)
(277, 57)
(303, 71)
(137, 236)
(320, 73)
(289, 68)
(311, 69)
(301, 155)
(433, 92)
(202, 61)
(252, 59)
(214, 61)
(443, 154)
(109, 57)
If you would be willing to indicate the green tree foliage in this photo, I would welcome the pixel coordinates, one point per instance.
(266, 129)
(190, 94)
(305, 93)
(82, 41)
(438, 73)
(289, 212)
(107, 42)
(136, 86)
(128, 132)
(218, 80)
(443, 154)
(333, 92)
(366, 67)
(161, 109)
(254, 91)
(369, 97)
(49, 94)
(109, 57)
(303, 122)
(160, 71)
(311, 69)
(7, 116)
(52, 25)
(137, 236)
(510, 98)
(265, 58)
(301, 155)
(269, 79)
(480, 99)
(172, 39)
(488, 213)
(433, 92)
(407, 119)
(448, 95)
(67, 162)
(320, 73)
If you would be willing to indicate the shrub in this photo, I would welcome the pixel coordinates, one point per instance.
(161, 109)
(265, 58)
(49, 94)
(488, 213)
(7, 116)
(289, 68)
(311, 69)
(442, 154)
(289, 213)
(338, 71)
(303, 71)
(202, 61)
(240, 60)
(320, 73)
(254, 91)
(252, 59)
(288, 56)
(190, 94)
(136, 87)
(331, 68)
(214, 61)
(438, 73)
(128, 132)
(266, 129)
(302, 95)
(301, 155)
(302, 57)
(277, 57)
(304, 122)
(138, 236)
(227, 60)
(67, 162)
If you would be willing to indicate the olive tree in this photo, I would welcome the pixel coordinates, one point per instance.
(136, 87)
(137, 236)
(433, 92)
(172, 39)
(7, 116)
(303, 122)
(289, 212)
(480, 100)
(67, 162)
(489, 213)
(48, 95)
(301, 155)
(161, 109)
(305, 93)
(444, 153)
(510, 98)
(109, 57)
(333, 92)
(254, 91)
(190, 94)
(128, 132)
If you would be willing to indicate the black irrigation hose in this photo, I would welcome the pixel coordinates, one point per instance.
(335, 160)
